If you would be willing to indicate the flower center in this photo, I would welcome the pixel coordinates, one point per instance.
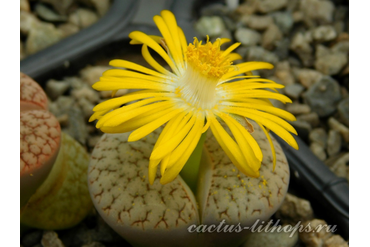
(205, 66)
(208, 59)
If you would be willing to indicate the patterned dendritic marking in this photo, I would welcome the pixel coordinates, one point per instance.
(237, 198)
(119, 187)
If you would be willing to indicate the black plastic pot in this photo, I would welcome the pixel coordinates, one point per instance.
(329, 193)
(73, 53)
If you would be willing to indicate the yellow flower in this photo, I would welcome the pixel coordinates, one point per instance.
(202, 88)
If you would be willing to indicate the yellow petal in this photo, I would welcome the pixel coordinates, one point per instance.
(150, 127)
(132, 74)
(240, 89)
(245, 140)
(176, 54)
(174, 124)
(256, 93)
(183, 42)
(224, 40)
(171, 144)
(269, 109)
(152, 62)
(98, 114)
(182, 153)
(134, 66)
(113, 103)
(111, 83)
(127, 108)
(171, 23)
(246, 67)
(234, 56)
(270, 117)
(231, 149)
(278, 129)
(164, 163)
(152, 170)
(156, 38)
(145, 39)
(206, 126)
(120, 118)
(165, 135)
(237, 77)
(271, 146)
(136, 122)
(230, 49)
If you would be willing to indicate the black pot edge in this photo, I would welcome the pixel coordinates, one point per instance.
(330, 192)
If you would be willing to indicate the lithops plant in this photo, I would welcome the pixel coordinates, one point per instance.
(40, 137)
(170, 214)
(53, 166)
(32, 97)
(62, 201)
(203, 90)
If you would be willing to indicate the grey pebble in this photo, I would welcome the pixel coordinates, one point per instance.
(341, 128)
(24, 5)
(42, 36)
(312, 118)
(297, 108)
(86, 92)
(76, 125)
(341, 47)
(266, 6)
(324, 33)
(302, 127)
(61, 6)
(307, 77)
(247, 37)
(323, 96)
(317, 11)
(48, 14)
(318, 150)
(284, 20)
(51, 239)
(274, 238)
(256, 22)
(67, 29)
(271, 36)
(294, 90)
(331, 64)
(210, 25)
(334, 142)
(319, 136)
(339, 164)
(282, 48)
(28, 21)
(343, 110)
(256, 53)
(55, 88)
(294, 209)
(301, 46)
(83, 18)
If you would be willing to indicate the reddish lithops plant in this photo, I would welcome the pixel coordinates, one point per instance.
(53, 166)
(40, 135)
(40, 138)
(32, 95)
(62, 200)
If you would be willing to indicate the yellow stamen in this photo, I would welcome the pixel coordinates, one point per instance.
(208, 58)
